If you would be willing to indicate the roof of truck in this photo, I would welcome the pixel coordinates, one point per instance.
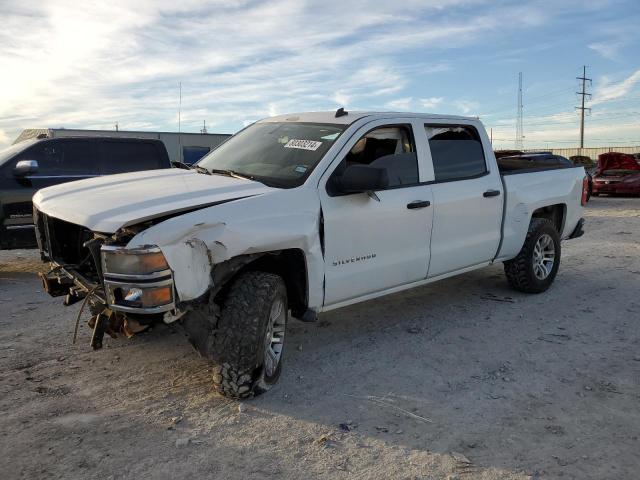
(350, 117)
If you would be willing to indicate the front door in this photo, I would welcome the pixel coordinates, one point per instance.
(374, 242)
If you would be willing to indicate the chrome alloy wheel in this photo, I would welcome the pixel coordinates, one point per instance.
(274, 338)
(544, 255)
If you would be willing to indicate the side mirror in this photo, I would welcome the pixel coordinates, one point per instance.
(25, 167)
(363, 178)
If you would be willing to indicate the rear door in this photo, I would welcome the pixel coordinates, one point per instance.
(59, 161)
(374, 243)
(468, 198)
(131, 155)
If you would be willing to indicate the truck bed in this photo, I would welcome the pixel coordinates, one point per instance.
(526, 190)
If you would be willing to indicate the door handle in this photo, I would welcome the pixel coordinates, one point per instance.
(491, 193)
(418, 204)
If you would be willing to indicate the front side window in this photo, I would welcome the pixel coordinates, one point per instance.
(456, 151)
(62, 158)
(280, 154)
(389, 147)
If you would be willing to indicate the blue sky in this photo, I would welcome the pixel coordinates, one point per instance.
(91, 64)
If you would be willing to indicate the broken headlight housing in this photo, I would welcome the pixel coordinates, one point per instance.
(137, 279)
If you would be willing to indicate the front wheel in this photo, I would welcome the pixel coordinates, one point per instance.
(536, 266)
(245, 338)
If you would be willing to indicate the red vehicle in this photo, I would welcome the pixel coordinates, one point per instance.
(616, 173)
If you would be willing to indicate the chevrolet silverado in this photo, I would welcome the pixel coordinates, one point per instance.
(297, 215)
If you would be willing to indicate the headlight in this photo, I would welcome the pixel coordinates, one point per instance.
(134, 261)
(137, 279)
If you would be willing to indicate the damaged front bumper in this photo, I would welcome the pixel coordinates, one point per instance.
(145, 294)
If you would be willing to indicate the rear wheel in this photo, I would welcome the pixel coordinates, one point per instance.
(536, 266)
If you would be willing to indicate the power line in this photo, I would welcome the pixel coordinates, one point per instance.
(568, 116)
(565, 122)
(584, 94)
(542, 99)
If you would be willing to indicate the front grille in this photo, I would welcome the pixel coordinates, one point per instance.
(39, 219)
(63, 243)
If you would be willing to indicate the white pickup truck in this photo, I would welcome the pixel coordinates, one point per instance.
(297, 215)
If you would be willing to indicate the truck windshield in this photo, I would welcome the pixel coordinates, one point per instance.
(278, 154)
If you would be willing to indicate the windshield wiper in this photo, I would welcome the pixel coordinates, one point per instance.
(182, 165)
(232, 173)
(200, 169)
(242, 175)
(186, 166)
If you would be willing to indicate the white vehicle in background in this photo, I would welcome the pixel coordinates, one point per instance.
(297, 215)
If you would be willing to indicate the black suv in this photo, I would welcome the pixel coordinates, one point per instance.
(33, 164)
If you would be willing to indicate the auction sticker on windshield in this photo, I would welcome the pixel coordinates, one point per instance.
(303, 144)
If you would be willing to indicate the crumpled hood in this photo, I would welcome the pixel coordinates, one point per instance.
(105, 204)
(617, 161)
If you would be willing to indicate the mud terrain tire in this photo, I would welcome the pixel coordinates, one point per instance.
(520, 271)
(234, 335)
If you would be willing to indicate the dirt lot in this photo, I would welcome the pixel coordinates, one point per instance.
(461, 379)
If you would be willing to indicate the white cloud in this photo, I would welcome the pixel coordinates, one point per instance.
(341, 98)
(608, 50)
(94, 63)
(90, 64)
(431, 103)
(399, 104)
(608, 90)
(466, 106)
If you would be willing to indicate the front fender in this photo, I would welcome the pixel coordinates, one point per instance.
(194, 242)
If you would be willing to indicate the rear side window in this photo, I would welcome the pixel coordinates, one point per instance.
(63, 158)
(122, 157)
(456, 151)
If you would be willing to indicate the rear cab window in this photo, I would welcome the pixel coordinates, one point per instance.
(129, 156)
(456, 152)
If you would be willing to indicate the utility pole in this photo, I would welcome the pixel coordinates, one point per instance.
(582, 108)
(519, 126)
(179, 121)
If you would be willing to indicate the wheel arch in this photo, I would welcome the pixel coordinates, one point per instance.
(290, 264)
(556, 214)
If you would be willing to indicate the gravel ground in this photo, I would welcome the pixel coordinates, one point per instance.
(461, 379)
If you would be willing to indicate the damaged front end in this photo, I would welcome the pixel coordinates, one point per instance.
(125, 289)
